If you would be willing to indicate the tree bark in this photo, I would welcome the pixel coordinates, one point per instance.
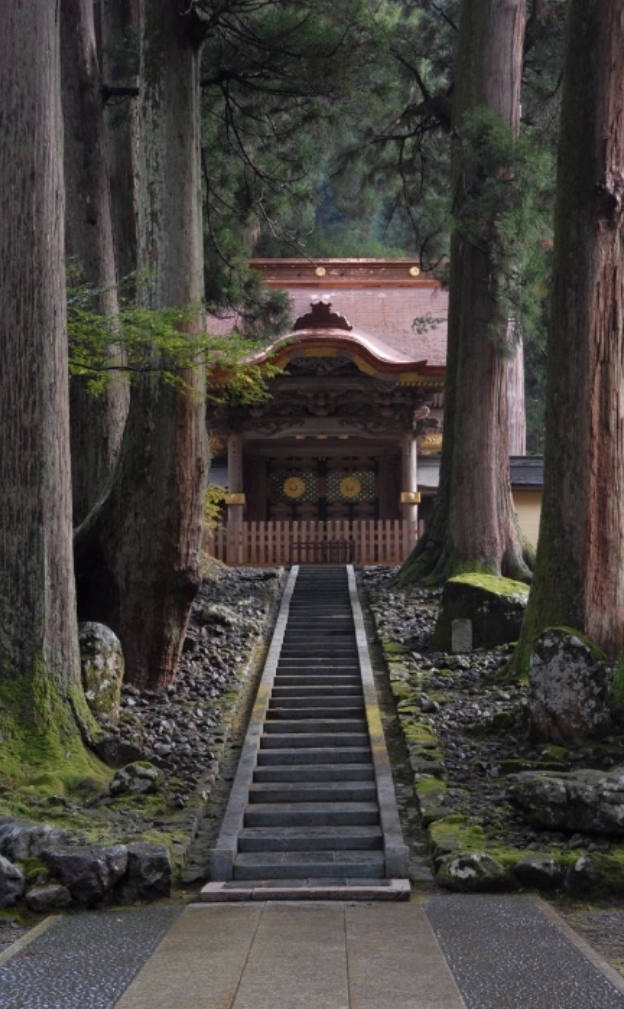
(579, 575)
(119, 19)
(138, 556)
(97, 422)
(473, 525)
(39, 665)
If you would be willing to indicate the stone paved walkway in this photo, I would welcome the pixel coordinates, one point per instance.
(450, 952)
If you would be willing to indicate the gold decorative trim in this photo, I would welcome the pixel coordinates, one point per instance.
(294, 487)
(414, 271)
(410, 497)
(235, 499)
(350, 486)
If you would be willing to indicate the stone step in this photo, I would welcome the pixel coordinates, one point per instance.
(312, 791)
(302, 814)
(318, 680)
(282, 710)
(291, 740)
(297, 691)
(294, 702)
(311, 839)
(312, 889)
(314, 755)
(302, 865)
(315, 772)
(313, 725)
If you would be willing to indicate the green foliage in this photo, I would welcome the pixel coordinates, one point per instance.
(504, 206)
(141, 341)
(213, 505)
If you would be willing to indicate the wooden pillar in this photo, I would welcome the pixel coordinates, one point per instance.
(409, 477)
(236, 499)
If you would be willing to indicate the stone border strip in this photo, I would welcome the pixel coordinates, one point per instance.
(612, 975)
(25, 940)
(395, 849)
(224, 853)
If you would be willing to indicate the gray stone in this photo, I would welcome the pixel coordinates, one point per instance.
(20, 839)
(12, 883)
(538, 872)
(102, 666)
(473, 871)
(149, 873)
(48, 898)
(88, 872)
(495, 607)
(595, 875)
(568, 689)
(117, 752)
(140, 778)
(585, 801)
(461, 635)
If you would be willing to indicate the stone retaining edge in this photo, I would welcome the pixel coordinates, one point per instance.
(224, 853)
(395, 849)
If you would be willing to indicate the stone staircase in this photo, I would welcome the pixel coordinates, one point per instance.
(312, 812)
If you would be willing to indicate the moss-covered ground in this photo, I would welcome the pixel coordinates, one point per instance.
(466, 731)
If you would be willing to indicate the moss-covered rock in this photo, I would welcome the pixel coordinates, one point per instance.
(473, 872)
(102, 668)
(585, 801)
(569, 688)
(495, 607)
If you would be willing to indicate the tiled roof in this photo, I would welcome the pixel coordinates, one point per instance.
(380, 298)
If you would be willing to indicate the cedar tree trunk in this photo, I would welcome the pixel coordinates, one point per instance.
(473, 525)
(97, 422)
(39, 666)
(579, 574)
(138, 556)
(119, 19)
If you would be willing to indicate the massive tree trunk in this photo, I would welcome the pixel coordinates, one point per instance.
(39, 667)
(473, 526)
(138, 556)
(97, 422)
(579, 574)
(119, 22)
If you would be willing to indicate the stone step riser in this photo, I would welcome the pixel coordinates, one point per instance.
(315, 772)
(311, 740)
(317, 680)
(356, 791)
(311, 839)
(315, 711)
(303, 870)
(261, 816)
(283, 702)
(302, 693)
(314, 755)
(307, 726)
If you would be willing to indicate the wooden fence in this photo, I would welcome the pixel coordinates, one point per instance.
(265, 544)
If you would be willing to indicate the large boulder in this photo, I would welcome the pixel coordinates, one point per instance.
(20, 839)
(89, 872)
(51, 897)
(473, 872)
(585, 801)
(149, 872)
(12, 883)
(538, 872)
(495, 607)
(102, 666)
(569, 688)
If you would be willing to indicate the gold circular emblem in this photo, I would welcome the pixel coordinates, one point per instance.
(294, 487)
(320, 271)
(414, 271)
(350, 486)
